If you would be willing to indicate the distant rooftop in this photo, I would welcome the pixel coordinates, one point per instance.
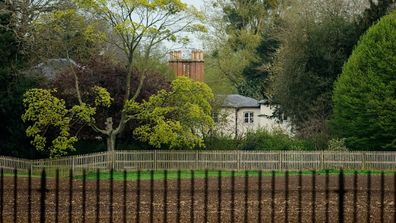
(239, 101)
(52, 67)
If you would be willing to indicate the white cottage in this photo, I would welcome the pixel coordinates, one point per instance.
(239, 114)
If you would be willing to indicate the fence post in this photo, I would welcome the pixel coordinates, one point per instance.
(321, 160)
(196, 159)
(31, 166)
(280, 160)
(155, 159)
(238, 160)
(73, 164)
(113, 159)
(341, 193)
(363, 161)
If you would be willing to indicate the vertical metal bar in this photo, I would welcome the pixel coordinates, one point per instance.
(219, 198)
(382, 196)
(97, 196)
(233, 196)
(15, 195)
(327, 196)
(273, 196)
(152, 196)
(341, 192)
(394, 196)
(192, 191)
(124, 201)
(299, 216)
(355, 188)
(206, 197)
(2, 195)
(178, 196)
(84, 195)
(43, 190)
(368, 210)
(286, 196)
(111, 186)
(260, 196)
(70, 195)
(57, 195)
(313, 199)
(246, 197)
(29, 196)
(138, 196)
(165, 196)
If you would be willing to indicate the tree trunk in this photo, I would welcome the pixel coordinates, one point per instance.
(111, 138)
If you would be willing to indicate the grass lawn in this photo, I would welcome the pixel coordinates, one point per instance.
(186, 174)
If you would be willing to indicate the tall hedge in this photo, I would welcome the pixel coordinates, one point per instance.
(364, 96)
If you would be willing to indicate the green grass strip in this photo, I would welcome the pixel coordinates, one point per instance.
(186, 174)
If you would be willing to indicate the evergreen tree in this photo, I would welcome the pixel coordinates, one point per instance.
(364, 95)
(12, 86)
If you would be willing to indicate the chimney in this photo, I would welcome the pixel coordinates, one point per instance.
(192, 68)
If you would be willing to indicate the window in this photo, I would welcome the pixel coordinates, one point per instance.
(248, 117)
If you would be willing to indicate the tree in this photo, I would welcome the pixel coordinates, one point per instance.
(177, 118)
(139, 26)
(67, 33)
(12, 86)
(240, 43)
(316, 39)
(364, 95)
(102, 71)
(376, 9)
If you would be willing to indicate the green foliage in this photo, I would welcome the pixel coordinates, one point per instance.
(337, 145)
(102, 96)
(240, 45)
(374, 12)
(364, 95)
(47, 111)
(140, 25)
(84, 112)
(218, 142)
(316, 39)
(67, 34)
(12, 86)
(275, 140)
(177, 118)
(50, 118)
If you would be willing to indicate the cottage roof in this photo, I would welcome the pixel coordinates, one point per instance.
(239, 101)
(52, 67)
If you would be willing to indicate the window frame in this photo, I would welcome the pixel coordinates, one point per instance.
(248, 117)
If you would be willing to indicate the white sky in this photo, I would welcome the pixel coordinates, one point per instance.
(196, 3)
(195, 42)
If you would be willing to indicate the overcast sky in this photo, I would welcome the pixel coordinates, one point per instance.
(195, 42)
(196, 3)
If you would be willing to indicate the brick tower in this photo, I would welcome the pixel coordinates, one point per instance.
(192, 68)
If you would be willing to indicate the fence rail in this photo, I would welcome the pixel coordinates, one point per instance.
(219, 160)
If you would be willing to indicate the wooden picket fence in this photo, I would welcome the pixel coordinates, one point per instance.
(216, 160)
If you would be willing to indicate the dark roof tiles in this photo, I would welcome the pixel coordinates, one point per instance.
(239, 101)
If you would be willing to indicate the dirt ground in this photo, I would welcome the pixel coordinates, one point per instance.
(199, 200)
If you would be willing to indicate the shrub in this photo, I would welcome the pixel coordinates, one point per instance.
(364, 95)
(275, 140)
(221, 143)
(337, 145)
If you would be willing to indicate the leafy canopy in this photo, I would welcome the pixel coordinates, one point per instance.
(51, 119)
(364, 95)
(46, 111)
(177, 118)
(316, 37)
